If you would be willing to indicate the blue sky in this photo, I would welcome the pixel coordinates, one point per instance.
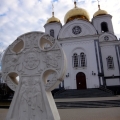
(21, 16)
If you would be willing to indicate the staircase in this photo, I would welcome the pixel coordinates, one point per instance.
(95, 92)
(88, 104)
(88, 93)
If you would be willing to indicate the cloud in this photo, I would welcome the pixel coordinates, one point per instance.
(20, 16)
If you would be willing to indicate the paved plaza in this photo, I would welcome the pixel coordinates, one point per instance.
(90, 114)
(82, 114)
(112, 113)
(88, 99)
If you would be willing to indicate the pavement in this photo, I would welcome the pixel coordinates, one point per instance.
(90, 114)
(88, 99)
(112, 113)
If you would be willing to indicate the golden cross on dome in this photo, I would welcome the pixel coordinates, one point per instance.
(52, 9)
(98, 4)
(75, 3)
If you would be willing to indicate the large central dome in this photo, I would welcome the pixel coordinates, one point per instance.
(76, 13)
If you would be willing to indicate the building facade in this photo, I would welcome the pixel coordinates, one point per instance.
(92, 50)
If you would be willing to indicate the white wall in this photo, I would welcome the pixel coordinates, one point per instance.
(88, 47)
(112, 82)
(109, 50)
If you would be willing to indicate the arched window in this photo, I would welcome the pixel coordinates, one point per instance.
(104, 27)
(83, 62)
(110, 62)
(52, 32)
(75, 60)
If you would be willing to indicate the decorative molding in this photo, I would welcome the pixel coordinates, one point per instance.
(78, 43)
(87, 29)
(107, 47)
(78, 38)
(110, 37)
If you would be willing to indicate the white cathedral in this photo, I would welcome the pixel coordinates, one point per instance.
(92, 50)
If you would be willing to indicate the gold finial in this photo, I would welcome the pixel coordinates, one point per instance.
(52, 9)
(52, 13)
(98, 4)
(75, 3)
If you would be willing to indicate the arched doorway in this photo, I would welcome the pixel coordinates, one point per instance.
(81, 81)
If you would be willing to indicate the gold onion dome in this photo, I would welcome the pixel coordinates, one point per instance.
(100, 12)
(53, 19)
(76, 13)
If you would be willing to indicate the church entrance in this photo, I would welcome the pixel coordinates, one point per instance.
(81, 81)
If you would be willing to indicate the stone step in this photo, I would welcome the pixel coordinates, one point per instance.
(83, 93)
(82, 104)
(88, 104)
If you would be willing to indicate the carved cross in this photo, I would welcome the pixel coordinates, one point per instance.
(40, 70)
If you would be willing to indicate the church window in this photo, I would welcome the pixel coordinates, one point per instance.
(104, 27)
(110, 62)
(106, 38)
(75, 60)
(52, 32)
(76, 30)
(83, 60)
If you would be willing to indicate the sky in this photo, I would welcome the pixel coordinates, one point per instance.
(21, 16)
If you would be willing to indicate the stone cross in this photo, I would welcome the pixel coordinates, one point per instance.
(39, 61)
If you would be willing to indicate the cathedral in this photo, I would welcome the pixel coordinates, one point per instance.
(92, 50)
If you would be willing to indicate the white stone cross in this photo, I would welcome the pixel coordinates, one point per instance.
(40, 68)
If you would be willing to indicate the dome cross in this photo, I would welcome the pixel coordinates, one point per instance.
(52, 9)
(75, 3)
(98, 4)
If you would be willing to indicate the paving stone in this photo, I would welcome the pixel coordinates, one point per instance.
(82, 114)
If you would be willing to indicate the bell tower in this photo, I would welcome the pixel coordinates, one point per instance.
(102, 21)
(53, 26)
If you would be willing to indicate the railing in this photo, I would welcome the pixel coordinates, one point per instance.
(106, 90)
(5, 92)
(60, 91)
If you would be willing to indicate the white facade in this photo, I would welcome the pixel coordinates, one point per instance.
(96, 44)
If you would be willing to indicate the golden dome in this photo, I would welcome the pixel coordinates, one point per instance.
(53, 19)
(100, 12)
(76, 13)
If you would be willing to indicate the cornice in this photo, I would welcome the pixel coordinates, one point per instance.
(80, 38)
(52, 24)
(109, 43)
(101, 16)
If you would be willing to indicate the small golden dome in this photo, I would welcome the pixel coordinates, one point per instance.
(76, 13)
(100, 12)
(53, 19)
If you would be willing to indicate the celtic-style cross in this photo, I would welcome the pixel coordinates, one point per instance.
(39, 62)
